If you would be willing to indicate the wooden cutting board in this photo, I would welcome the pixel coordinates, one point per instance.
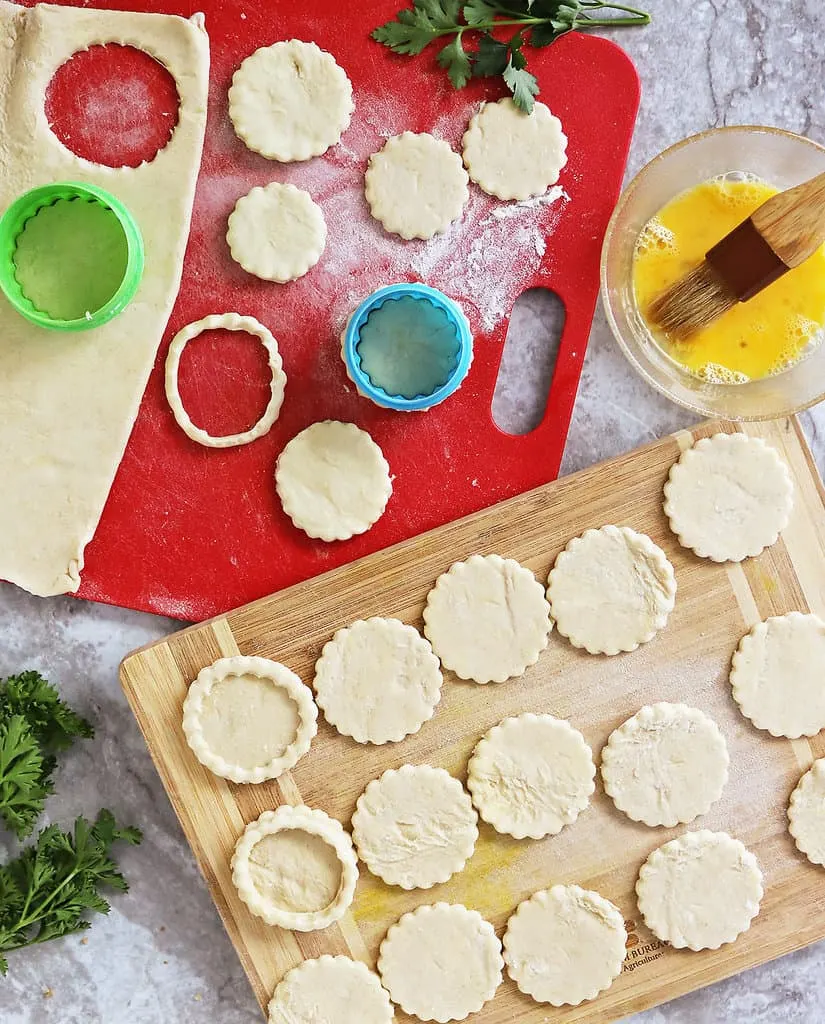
(689, 662)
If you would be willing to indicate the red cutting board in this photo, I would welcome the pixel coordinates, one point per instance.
(190, 532)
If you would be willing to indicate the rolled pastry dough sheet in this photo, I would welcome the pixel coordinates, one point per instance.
(806, 813)
(69, 402)
(332, 990)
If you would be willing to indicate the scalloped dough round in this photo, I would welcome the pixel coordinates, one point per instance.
(610, 590)
(249, 719)
(701, 890)
(295, 868)
(531, 775)
(513, 155)
(441, 962)
(290, 101)
(276, 232)
(330, 990)
(333, 480)
(728, 497)
(806, 813)
(414, 826)
(377, 681)
(487, 619)
(777, 672)
(415, 185)
(667, 764)
(565, 945)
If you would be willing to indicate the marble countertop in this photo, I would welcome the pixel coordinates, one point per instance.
(162, 955)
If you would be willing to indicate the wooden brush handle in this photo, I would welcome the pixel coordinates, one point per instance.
(793, 222)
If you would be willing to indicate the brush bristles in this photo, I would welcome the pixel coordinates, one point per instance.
(693, 303)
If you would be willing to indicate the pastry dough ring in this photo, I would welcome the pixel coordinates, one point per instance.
(226, 322)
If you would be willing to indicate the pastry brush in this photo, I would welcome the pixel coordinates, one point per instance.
(779, 235)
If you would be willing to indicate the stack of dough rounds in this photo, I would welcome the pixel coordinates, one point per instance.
(806, 813)
(330, 990)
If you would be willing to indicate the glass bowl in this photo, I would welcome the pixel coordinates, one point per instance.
(778, 157)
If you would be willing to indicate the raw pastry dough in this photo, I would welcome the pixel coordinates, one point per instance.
(295, 868)
(777, 672)
(330, 990)
(333, 480)
(276, 232)
(441, 962)
(226, 322)
(565, 945)
(248, 719)
(70, 401)
(487, 619)
(728, 497)
(700, 890)
(377, 681)
(806, 813)
(290, 101)
(414, 826)
(611, 590)
(531, 776)
(513, 155)
(416, 186)
(667, 764)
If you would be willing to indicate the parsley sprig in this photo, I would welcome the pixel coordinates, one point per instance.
(537, 23)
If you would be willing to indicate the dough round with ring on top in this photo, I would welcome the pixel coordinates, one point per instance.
(610, 590)
(667, 764)
(531, 775)
(565, 945)
(806, 813)
(416, 186)
(441, 962)
(701, 890)
(290, 101)
(276, 232)
(728, 497)
(333, 480)
(330, 990)
(225, 322)
(511, 154)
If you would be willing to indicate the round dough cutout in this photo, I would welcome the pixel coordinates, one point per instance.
(414, 826)
(276, 232)
(777, 672)
(610, 590)
(701, 890)
(377, 681)
(565, 945)
(249, 719)
(416, 185)
(531, 775)
(333, 480)
(806, 813)
(728, 497)
(513, 155)
(667, 764)
(487, 619)
(290, 101)
(332, 990)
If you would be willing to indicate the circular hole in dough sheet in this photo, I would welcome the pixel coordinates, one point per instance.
(290, 101)
(531, 775)
(276, 232)
(295, 868)
(610, 590)
(416, 185)
(513, 155)
(441, 962)
(487, 619)
(667, 764)
(377, 681)
(806, 813)
(330, 990)
(226, 322)
(728, 497)
(249, 719)
(414, 826)
(777, 672)
(699, 891)
(565, 945)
